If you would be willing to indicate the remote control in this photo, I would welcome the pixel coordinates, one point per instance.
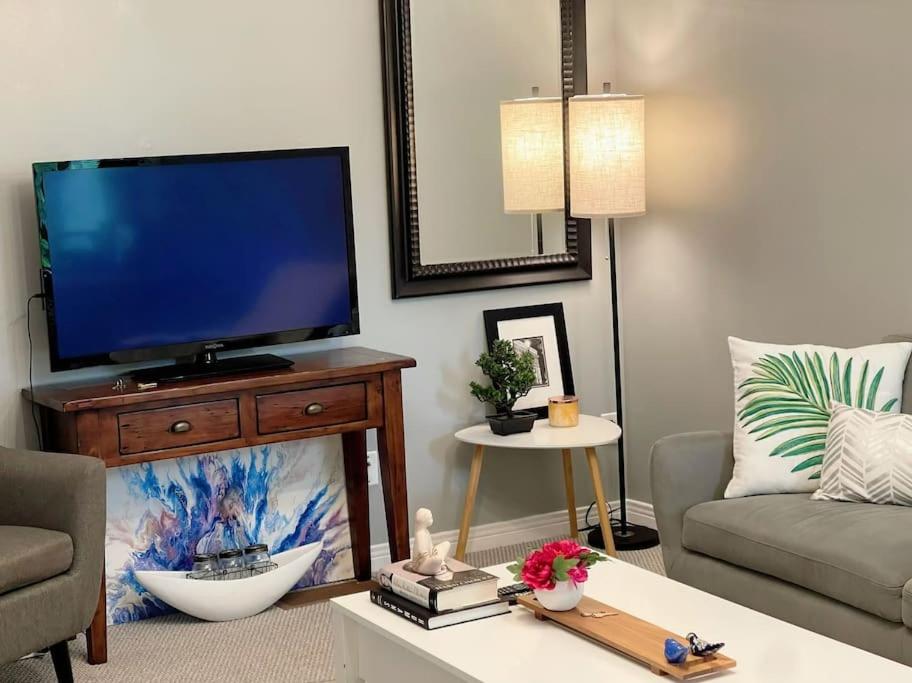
(510, 593)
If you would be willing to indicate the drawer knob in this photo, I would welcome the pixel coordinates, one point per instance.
(180, 427)
(313, 409)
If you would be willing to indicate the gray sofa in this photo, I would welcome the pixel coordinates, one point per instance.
(52, 524)
(840, 569)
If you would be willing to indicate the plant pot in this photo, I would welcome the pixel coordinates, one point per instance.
(503, 425)
(563, 597)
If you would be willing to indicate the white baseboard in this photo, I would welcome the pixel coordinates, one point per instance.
(496, 534)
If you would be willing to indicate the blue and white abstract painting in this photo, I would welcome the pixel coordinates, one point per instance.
(161, 513)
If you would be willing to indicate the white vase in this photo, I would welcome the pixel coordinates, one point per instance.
(563, 597)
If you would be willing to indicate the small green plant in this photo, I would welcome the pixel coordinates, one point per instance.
(512, 376)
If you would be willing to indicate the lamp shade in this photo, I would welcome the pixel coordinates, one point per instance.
(532, 152)
(607, 156)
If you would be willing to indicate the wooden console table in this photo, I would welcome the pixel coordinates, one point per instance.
(343, 391)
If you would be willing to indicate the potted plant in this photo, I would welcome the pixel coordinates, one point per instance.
(512, 376)
(556, 572)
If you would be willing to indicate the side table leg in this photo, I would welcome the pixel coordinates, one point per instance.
(604, 520)
(474, 475)
(354, 455)
(391, 449)
(571, 496)
(97, 633)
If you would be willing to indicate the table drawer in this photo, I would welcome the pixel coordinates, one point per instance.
(187, 425)
(291, 410)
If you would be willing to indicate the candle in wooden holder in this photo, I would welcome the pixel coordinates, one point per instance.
(563, 411)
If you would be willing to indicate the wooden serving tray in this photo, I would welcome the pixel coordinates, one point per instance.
(638, 639)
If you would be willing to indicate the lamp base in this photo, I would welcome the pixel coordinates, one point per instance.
(635, 537)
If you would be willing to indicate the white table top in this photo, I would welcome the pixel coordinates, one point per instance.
(516, 647)
(591, 431)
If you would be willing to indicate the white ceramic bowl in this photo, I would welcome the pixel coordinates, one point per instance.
(226, 600)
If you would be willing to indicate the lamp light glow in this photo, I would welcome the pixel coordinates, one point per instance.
(607, 156)
(532, 152)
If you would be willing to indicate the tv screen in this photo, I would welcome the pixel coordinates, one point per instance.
(161, 257)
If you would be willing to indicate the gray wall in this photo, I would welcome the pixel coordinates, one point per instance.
(110, 78)
(779, 145)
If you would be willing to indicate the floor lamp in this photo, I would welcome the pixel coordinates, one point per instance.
(608, 180)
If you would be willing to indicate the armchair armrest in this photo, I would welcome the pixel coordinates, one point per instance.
(686, 469)
(62, 493)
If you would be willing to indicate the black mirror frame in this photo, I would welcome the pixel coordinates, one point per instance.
(409, 276)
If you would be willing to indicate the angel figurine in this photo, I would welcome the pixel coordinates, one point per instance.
(427, 559)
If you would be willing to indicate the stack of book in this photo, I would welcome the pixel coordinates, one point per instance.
(465, 594)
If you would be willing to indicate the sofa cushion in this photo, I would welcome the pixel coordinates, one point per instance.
(29, 555)
(857, 553)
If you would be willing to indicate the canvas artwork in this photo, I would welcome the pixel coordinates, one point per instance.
(161, 513)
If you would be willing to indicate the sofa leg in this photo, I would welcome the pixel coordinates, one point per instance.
(60, 654)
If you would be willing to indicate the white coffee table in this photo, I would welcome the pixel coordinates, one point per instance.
(375, 646)
(589, 433)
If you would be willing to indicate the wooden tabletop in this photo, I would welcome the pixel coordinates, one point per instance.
(311, 367)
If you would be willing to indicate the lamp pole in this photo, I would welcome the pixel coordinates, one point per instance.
(618, 388)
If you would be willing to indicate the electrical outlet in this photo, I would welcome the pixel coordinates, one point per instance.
(613, 417)
(373, 469)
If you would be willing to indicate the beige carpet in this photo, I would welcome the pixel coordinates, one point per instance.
(277, 645)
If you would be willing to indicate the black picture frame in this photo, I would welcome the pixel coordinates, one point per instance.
(493, 317)
(411, 278)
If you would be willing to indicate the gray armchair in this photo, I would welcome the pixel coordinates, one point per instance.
(52, 525)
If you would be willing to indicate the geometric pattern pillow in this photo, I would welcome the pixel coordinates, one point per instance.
(868, 457)
(782, 406)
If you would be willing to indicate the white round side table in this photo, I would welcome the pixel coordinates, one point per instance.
(591, 432)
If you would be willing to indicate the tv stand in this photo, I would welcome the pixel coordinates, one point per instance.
(209, 365)
(343, 391)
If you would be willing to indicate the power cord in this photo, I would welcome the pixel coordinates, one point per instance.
(611, 516)
(28, 329)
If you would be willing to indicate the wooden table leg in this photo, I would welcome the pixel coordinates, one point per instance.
(474, 475)
(97, 633)
(354, 456)
(391, 449)
(604, 520)
(571, 497)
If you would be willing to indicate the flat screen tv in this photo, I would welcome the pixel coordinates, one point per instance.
(183, 256)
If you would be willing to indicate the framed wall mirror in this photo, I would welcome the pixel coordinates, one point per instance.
(447, 68)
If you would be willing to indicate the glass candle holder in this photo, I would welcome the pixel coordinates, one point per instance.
(563, 411)
(256, 557)
(205, 566)
(231, 563)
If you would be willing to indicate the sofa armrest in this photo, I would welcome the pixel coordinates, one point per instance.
(686, 469)
(63, 493)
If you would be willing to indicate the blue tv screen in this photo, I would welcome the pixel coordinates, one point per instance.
(147, 258)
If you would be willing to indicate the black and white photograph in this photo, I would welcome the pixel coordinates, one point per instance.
(541, 331)
(535, 346)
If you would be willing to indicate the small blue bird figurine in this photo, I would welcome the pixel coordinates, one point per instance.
(675, 653)
(703, 648)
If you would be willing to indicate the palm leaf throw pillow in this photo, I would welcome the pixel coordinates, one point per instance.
(783, 398)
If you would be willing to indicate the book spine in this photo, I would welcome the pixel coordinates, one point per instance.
(411, 590)
(398, 609)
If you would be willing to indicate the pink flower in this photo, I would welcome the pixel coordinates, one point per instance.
(579, 574)
(536, 571)
(568, 549)
(571, 559)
